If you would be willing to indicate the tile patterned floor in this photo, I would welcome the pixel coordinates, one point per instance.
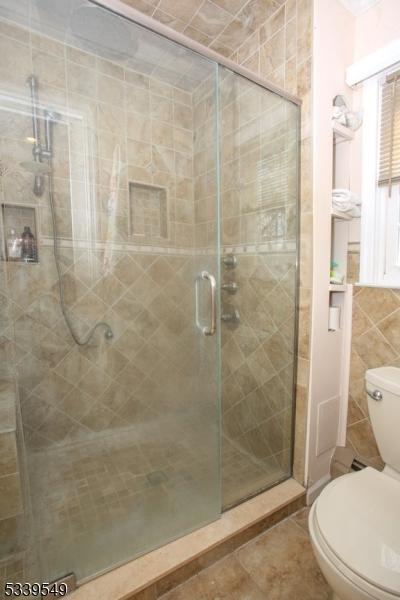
(277, 565)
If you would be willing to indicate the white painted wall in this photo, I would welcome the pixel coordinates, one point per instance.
(377, 27)
(334, 29)
(373, 30)
(340, 39)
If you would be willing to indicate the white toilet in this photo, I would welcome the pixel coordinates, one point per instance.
(355, 522)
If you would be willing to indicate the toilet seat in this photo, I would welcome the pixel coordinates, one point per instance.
(356, 519)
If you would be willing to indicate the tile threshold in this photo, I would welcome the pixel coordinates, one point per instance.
(201, 547)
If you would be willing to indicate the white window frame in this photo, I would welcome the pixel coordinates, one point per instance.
(379, 248)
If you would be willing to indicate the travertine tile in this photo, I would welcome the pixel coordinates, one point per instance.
(49, 68)
(390, 329)
(361, 437)
(146, 8)
(177, 9)
(8, 454)
(279, 564)
(81, 80)
(374, 349)
(232, 6)
(361, 321)
(373, 346)
(282, 564)
(169, 20)
(376, 311)
(210, 19)
(107, 115)
(10, 496)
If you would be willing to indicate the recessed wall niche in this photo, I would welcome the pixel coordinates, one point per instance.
(148, 212)
(19, 233)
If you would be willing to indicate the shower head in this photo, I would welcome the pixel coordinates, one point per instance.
(37, 168)
(52, 115)
(103, 33)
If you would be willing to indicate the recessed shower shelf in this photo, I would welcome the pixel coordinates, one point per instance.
(336, 287)
(19, 233)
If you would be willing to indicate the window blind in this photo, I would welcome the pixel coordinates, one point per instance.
(389, 150)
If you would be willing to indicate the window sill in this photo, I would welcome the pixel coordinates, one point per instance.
(391, 286)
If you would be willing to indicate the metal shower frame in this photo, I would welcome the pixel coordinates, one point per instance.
(122, 9)
(135, 16)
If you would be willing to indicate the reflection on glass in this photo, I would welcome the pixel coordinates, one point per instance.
(259, 226)
(121, 431)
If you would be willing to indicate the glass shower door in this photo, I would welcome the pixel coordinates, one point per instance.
(259, 191)
(121, 427)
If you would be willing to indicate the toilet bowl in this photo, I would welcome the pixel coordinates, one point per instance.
(355, 522)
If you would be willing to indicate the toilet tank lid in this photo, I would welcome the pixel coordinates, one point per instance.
(387, 378)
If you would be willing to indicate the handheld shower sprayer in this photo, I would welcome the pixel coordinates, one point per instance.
(38, 187)
(41, 169)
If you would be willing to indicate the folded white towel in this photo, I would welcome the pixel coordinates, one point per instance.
(343, 195)
(343, 206)
(354, 212)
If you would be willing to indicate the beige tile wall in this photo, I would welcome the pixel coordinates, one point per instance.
(375, 343)
(279, 50)
(273, 38)
(371, 308)
(12, 504)
(137, 129)
(11, 491)
(259, 193)
(277, 45)
(118, 126)
(222, 25)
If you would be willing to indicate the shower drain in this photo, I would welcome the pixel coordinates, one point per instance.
(156, 477)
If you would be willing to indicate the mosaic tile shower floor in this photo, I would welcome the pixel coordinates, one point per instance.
(89, 494)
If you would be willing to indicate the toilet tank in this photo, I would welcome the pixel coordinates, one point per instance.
(385, 412)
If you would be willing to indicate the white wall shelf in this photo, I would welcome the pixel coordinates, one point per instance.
(337, 214)
(336, 287)
(342, 133)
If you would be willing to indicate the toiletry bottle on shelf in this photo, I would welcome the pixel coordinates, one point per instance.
(13, 246)
(28, 253)
(335, 275)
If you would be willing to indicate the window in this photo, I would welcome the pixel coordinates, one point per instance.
(380, 224)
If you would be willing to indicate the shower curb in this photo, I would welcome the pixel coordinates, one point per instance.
(158, 572)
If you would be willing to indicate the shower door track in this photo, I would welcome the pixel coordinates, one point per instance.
(119, 8)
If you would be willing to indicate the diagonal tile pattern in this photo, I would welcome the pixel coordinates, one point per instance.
(376, 328)
(71, 396)
(277, 565)
(223, 25)
(63, 371)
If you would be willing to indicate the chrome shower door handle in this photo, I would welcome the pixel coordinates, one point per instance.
(210, 330)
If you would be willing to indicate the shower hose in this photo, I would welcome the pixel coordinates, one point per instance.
(108, 334)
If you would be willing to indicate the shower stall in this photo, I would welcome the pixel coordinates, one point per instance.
(148, 334)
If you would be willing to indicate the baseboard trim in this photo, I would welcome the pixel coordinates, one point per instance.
(314, 491)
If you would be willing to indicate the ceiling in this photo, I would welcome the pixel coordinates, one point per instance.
(358, 7)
